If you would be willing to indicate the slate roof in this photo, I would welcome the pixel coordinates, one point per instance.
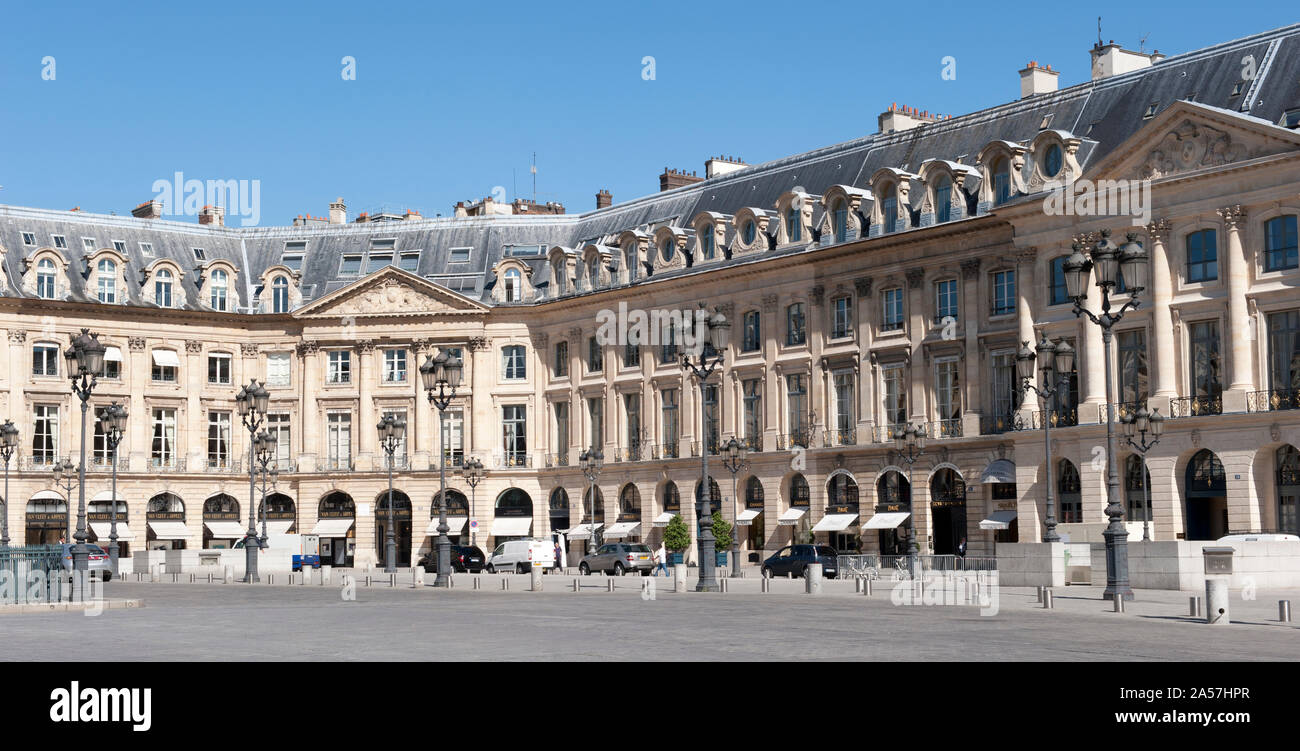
(1103, 114)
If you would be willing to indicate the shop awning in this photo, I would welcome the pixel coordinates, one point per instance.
(663, 519)
(332, 527)
(999, 471)
(166, 358)
(999, 520)
(105, 496)
(227, 530)
(512, 526)
(622, 529)
(455, 525)
(747, 517)
(112, 354)
(582, 531)
(792, 516)
(169, 530)
(46, 495)
(835, 523)
(887, 521)
(278, 528)
(103, 531)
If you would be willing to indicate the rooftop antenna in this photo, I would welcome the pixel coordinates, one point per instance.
(1142, 43)
(533, 169)
(1098, 31)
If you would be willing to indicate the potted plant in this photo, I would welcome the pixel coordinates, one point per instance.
(677, 538)
(721, 537)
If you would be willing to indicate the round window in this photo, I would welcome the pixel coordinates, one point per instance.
(749, 232)
(666, 250)
(1052, 161)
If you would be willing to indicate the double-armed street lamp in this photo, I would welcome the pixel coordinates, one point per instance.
(252, 403)
(1057, 365)
(441, 377)
(1127, 263)
(590, 461)
(392, 434)
(8, 444)
(1136, 425)
(710, 358)
(113, 417)
(473, 472)
(734, 459)
(84, 359)
(264, 446)
(65, 479)
(909, 444)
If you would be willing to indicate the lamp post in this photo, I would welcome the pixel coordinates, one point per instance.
(114, 418)
(710, 358)
(441, 376)
(64, 479)
(392, 432)
(591, 461)
(909, 443)
(264, 447)
(252, 402)
(85, 358)
(1139, 423)
(1129, 262)
(733, 458)
(1057, 364)
(473, 472)
(273, 476)
(8, 443)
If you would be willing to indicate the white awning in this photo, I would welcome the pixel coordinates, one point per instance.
(104, 496)
(169, 530)
(278, 528)
(455, 524)
(999, 520)
(793, 515)
(332, 527)
(622, 529)
(166, 358)
(999, 471)
(886, 521)
(747, 517)
(103, 530)
(835, 523)
(228, 530)
(512, 526)
(663, 519)
(47, 495)
(582, 531)
(113, 354)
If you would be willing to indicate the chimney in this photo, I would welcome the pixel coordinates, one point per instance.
(411, 215)
(148, 210)
(603, 199)
(902, 117)
(338, 211)
(212, 215)
(672, 178)
(721, 165)
(1037, 79)
(1112, 60)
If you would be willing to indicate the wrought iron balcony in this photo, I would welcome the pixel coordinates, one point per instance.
(557, 460)
(167, 464)
(886, 433)
(752, 442)
(837, 437)
(996, 424)
(800, 437)
(40, 462)
(1194, 406)
(337, 464)
(668, 450)
(516, 459)
(1273, 400)
(1122, 410)
(223, 466)
(944, 428)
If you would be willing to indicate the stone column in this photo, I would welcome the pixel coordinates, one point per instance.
(866, 381)
(1162, 325)
(917, 375)
(1025, 261)
(1093, 387)
(1241, 379)
(774, 385)
(970, 316)
(140, 424)
(309, 445)
(16, 376)
(194, 430)
(366, 420)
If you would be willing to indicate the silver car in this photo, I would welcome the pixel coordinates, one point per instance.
(618, 558)
(97, 560)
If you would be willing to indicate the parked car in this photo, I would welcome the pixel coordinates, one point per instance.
(1259, 537)
(519, 556)
(464, 559)
(794, 559)
(618, 558)
(97, 560)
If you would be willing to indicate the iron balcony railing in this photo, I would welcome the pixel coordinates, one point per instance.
(1273, 400)
(40, 463)
(669, 450)
(996, 424)
(337, 464)
(838, 437)
(511, 460)
(886, 433)
(1122, 410)
(557, 460)
(1194, 406)
(455, 458)
(230, 466)
(950, 428)
(167, 464)
(801, 438)
(752, 443)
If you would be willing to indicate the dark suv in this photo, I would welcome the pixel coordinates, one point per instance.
(794, 559)
(464, 559)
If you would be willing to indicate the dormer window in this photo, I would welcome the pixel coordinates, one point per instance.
(106, 281)
(889, 207)
(593, 272)
(200, 254)
(60, 241)
(45, 287)
(280, 295)
(1052, 161)
(749, 232)
(88, 244)
(29, 239)
(706, 242)
(793, 227)
(514, 285)
(219, 289)
(840, 221)
(162, 288)
(666, 250)
(1001, 181)
(632, 263)
(943, 200)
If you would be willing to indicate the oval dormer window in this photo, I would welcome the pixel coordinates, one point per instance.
(749, 232)
(1052, 160)
(666, 250)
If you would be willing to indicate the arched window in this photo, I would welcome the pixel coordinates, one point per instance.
(162, 288)
(593, 501)
(219, 288)
(942, 199)
(106, 281)
(667, 248)
(557, 276)
(1001, 181)
(629, 503)
(793, 224)
(165, 503)
(220, 504)
(1052, 161)
(593, 272)
(514, 285)
(631, 263)
(559, 509)
(1068, 491)
(672, 498)
(799, 495)
(753, 493)
(889, 210)
(893, 491)
(840, 220)
(842, 494)
(706, 242)
(280, 295)
(1136, 490)
(1288, 489)
(45, 279)
(749, 232)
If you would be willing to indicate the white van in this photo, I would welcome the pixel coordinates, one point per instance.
(519, 556)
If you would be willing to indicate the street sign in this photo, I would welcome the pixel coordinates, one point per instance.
(473, 523)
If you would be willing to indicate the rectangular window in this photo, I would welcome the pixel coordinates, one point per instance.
(595, 360)
(146, 250)
(795, 330)
(1004, 292)
(162, 453)
(893, 301)
(277, 369)
(88, 244)
(376, 261)
(394, 366)
(1202, 256)
(292, 261)
(350, 265)
(218, 440)
(29, 239)
(631, 355)
(596, 420)
(1280, 243)
(947, 393)
(339, 440)
(1005, 386)
(1205, 365)
(632, 408)
(112, 369)
(514, 435)
(712, 418)
(1133, 383)
(753, 404)
(410, 261)
(513, 363)
(277, 424)
(796, 407)
(1284, 353)
(561, 359)
(672, 427)
(60, 241)
(668, 347)
(340, 367)
(106, 285)
(562, 430)
(945, 293)
(165, 365)
(219, 368)
(199, 254)
(459, 255)
(752, 339)
(895, 395)
(45, 433)
(119, 246)
(1057, 294)
(399, 454)
(45, 360)
(841, 317)
(844, 391)
(99, 442)
(453, 437)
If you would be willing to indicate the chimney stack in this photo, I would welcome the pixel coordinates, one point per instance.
(1037, 79)
(672, 178)
(603, 199)
(148, 210)
(902, 117)
(1112, 60)
(212, 215)
(721, 165)
(338, 211)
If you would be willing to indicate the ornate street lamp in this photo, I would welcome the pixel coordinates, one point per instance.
(909, 444)
(1058, 363)
(252, 403)
(84, 358)
(441, 376)
(8, 443)
(710, 358)
(473, 472)
(591, 461)
(65, 478)
(1138, 424)
(1110, 263)
(114, 419)
(272, 476)
(734, 459)
(264, 446)
(392, 432)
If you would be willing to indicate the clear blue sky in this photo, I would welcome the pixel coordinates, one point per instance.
(451, 101)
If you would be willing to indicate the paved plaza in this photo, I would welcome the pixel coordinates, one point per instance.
(211, 622)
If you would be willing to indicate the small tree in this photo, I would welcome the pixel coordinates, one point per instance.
(677, 537)
(721, 532)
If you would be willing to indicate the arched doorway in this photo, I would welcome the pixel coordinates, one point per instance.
(99, 518)
(558, 509)
(336, 527)
(1137, 491)
(46, 518)
(1069, 492)
(795, 517)
(401, 527)
(281, 514)
(752, 519)
(221, 522)
(1288, 489)
(628, 524)
(1205, 490)
(513, 514)
(893, 496)
(947, 510)
(165, 517)
(458, 517)
(840, 522)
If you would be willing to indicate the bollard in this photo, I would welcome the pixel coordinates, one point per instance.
(575, 585)
(417, 576)
(478, 583)
(505, 583)
(209, 577)
(535, 581)
(1284, 611)
(1118, 601)
(367, 579)
(229, 575)
(679, 577)
(325, 574)
(1194, 606)
(813, 579)
(1039, 590)
(765, 585)
(722, 582)
(270, 578)
(155, 573)
(1216, 600)
(1047, 598)
(609, 584)
(866, 587)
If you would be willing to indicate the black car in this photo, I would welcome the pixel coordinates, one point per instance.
(464, 559)
(794, 559)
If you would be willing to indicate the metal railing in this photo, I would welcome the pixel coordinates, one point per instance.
(1272, 400)
(886, 433)
(801, 438)
(857, 565)
(752, 443)
(170, 464)
(846, 437)
(557, 460)
(944, 428)
(512, 460)
(940, 563)
(1122, 410)
(1193, 406)
(34, 575)
(669, 450)
(995, 424)
(337, 464)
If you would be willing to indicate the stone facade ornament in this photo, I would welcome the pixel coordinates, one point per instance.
(1188, 147)
(728, 309)
(863, 286)
(365, 346)
(1196, 437)
(193, 346)
(137, 343)
(1275, 432)
(17, 336)
(769, 303)
(476, 343)
(389, 297)
(308, 347)
(539, 340)
(1158, 230)
(1232, 215)
(970, 269)
(245, 349)
(915, 276)
(818, 294)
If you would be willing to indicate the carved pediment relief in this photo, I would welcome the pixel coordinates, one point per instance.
(393, 293)
(1192, 146)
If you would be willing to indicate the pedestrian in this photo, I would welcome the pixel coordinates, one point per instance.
(661, 560)
(558, 559)
(961, 548)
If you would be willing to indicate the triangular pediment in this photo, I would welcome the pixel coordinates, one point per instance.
(391, 292)
(1188, 137)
